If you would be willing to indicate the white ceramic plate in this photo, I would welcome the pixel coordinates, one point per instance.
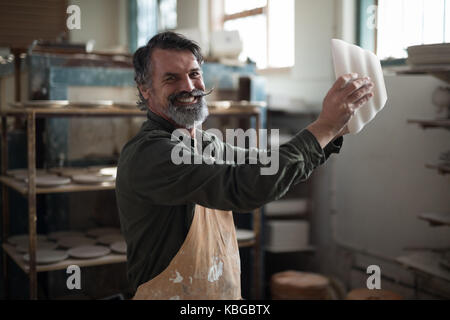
(41, 245)
(47, 256)
(119, 247)
(102, 231)
(348, 58)
(75, 241)
(89, 252)
(50, 181)
(68, 171)
(110, 238)
(22, 174)
(92, 104)
(244, 235)
(62, 234)
(112, 171)
(52, 104)
(92, 178)
(21, 238)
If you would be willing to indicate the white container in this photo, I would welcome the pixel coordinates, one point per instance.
(348, 58)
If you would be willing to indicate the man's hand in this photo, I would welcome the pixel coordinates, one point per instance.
(347, 94)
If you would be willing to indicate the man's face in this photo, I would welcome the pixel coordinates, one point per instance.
(177, 85)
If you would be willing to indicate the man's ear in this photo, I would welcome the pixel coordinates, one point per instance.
(145, 92)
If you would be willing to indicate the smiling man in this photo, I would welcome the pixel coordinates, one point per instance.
(177, 218)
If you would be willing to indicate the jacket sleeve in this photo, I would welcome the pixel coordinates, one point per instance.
(155, 178)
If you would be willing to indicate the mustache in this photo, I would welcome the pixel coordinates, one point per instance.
(196, 93)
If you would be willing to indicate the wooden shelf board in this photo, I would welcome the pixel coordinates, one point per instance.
(439, 123)
(22, 187)
(18, 259)
(114, 112)
(426, 262)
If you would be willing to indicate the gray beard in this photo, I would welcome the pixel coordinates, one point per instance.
(188, 116)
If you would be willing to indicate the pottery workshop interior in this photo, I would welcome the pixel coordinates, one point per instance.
(225, 150)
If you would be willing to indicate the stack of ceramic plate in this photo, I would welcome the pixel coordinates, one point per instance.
(50, 181)
(68, 171)
(38, 104)
(89, 252)
(244, 235)
(110, 171)
(429, 54)
(126, 104)
(91, 104)
(48, 256)
(92, 178)
(119, 247)
(295, 285)
(75, 241)
(22, 174)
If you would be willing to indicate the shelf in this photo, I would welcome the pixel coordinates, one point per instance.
(117, 112)
(436, 219)
(440, 71)
(22, 187)
(425, 124)
(18, 259)
(441, 168)
(426, 262)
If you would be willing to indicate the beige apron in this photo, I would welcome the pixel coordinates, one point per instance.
(207, 266)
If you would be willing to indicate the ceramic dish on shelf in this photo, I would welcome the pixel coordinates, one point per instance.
(21, 174)
(244, 235)
(119, 247)
(89, 252)
(57, 235)
(48, 256)
(110, 238)
(102, 231)
(126, 105)
(46, 104)
(75, 241)
(40, 245)
(110, 171)
(68, 171)
(91, 104)
(50, 181)
(21, 238)
(92, 178)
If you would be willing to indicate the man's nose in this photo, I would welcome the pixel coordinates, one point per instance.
(187, 85)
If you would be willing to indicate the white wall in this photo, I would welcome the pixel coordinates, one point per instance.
(105, 21)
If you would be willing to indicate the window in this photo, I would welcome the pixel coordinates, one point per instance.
(147, 17)
(404, 23)
(266, 28)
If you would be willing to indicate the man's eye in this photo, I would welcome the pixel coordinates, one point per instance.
(170, 78)
(195, 74)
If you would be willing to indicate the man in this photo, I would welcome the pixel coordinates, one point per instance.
(177, 218)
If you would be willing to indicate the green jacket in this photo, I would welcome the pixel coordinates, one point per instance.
(156, 198)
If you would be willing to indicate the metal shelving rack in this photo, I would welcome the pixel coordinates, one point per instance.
(30, 191)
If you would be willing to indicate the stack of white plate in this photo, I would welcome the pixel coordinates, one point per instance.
(48, 256)
(89, 252)
(57, 235)
(24, 239)
(92, 178)
(119, 247)
(429, 54)
(40, 245)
